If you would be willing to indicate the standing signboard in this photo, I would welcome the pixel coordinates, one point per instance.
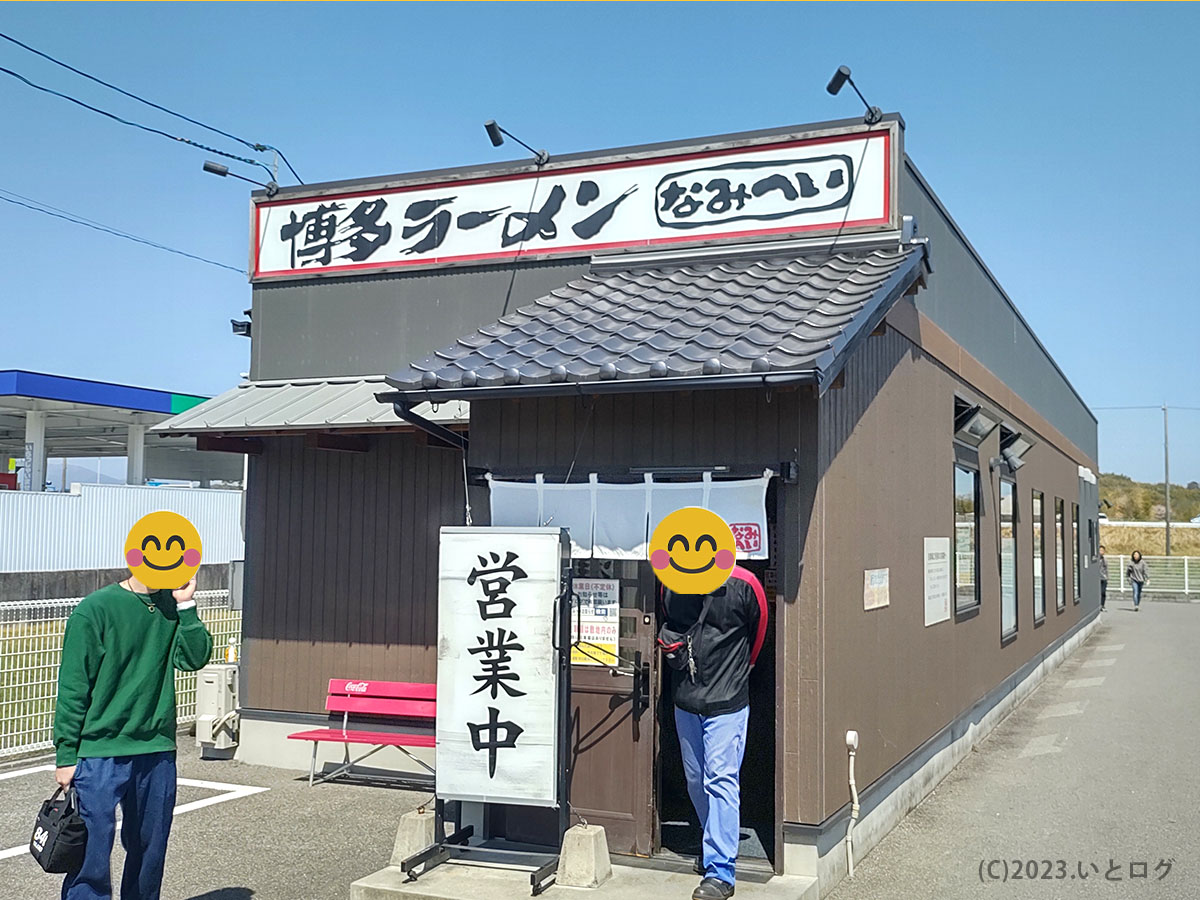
(499, 593)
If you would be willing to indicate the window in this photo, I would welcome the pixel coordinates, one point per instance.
(1039, 553)
(966, 538)
(1092, 547)
(1008, 558)
(1078, 550)
(1060, 540)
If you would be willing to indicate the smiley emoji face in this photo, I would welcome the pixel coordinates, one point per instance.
(692, 551)
(163, 550)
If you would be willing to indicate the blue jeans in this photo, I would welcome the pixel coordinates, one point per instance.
(712, 748)
(144, 786)
(1137, 593)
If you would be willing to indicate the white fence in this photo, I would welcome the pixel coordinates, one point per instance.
(1179, 575)
(86, 529)
(31, 633)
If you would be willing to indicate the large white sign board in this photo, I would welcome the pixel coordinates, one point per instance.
(937, 580)
(837, 181)
(497, 676)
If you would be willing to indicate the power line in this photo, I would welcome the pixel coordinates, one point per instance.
(55, 212)
(1158, 407)
(259, 147)
(116, 118)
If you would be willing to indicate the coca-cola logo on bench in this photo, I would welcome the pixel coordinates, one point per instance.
(357, 687)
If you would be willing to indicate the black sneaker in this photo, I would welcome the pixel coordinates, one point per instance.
(713, 889)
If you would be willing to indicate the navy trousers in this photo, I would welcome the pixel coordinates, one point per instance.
(144, 787)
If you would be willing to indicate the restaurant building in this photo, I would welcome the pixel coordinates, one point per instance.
(785, 325)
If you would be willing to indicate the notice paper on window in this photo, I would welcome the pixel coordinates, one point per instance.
(937, 580)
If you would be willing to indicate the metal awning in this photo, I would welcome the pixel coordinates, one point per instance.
(302, 405)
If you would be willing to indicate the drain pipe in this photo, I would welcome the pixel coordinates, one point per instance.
(851, 746)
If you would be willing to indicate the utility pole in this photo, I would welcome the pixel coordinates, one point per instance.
(1167, 477)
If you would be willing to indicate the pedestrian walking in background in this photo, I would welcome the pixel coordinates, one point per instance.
(1103, 578)
(1138, 577)
(115, 724)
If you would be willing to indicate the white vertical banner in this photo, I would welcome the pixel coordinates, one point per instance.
(497, 675)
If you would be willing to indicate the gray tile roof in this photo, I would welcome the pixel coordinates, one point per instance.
(682, 320)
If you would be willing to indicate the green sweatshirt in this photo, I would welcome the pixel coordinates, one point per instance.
(116, 685)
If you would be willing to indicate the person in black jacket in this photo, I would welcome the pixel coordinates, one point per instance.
(711, 693)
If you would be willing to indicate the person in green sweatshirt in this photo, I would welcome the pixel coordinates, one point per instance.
(115, 724)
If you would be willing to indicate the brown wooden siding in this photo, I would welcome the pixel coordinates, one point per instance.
(697, 428)
(886, 457)
(341, 563)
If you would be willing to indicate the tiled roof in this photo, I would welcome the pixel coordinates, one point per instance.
(302, 404)
(740, 317)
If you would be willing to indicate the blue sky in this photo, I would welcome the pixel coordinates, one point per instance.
(1090, 109)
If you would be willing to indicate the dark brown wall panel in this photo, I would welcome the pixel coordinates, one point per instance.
(341, 563)
(747, 427)
(887, 456)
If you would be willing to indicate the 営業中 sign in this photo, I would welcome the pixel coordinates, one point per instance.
(497, 675)
(840, 180)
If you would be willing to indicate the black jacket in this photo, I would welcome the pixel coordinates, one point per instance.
(726, 647)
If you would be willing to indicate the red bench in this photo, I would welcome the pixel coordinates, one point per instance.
(391, 699)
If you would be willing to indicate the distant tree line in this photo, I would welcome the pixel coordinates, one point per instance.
(1139, 501)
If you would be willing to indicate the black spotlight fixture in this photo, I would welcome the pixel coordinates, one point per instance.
(496, 135)
(223, 171)
(840, 78)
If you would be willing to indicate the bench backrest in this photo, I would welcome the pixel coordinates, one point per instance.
(402, 699)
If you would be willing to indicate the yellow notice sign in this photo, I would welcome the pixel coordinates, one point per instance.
(596, 622)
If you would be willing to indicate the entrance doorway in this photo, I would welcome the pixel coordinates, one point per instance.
(679, 826)
(613, 720)
(627, 773)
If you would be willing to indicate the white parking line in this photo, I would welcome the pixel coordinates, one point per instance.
(19, 772)
(1085, 682)
(1099, 663)
(229, 792)
(1063, 709)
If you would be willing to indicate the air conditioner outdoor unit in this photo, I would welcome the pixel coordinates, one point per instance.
(216, 710)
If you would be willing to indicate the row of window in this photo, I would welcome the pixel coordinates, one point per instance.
(967, 502)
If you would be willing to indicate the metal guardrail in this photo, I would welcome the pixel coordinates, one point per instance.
(31, 633)
(1168, 574)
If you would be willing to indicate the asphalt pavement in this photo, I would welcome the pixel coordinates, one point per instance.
(288, 842)
(1091, 788)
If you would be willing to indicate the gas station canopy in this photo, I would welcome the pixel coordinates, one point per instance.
(51, 416)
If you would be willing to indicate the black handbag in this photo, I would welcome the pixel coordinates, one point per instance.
(679, 647)
(59, 835)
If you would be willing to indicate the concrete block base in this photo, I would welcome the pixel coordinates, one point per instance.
(583, 861)
(417, 831)
(462, 880)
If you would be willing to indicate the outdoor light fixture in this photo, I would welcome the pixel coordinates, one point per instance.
(217, 169)
(1012, 447)
(496, 135)
(841, 77)
(241, 328)
(973, 425)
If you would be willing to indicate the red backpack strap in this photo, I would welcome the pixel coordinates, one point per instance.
(763, 615)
